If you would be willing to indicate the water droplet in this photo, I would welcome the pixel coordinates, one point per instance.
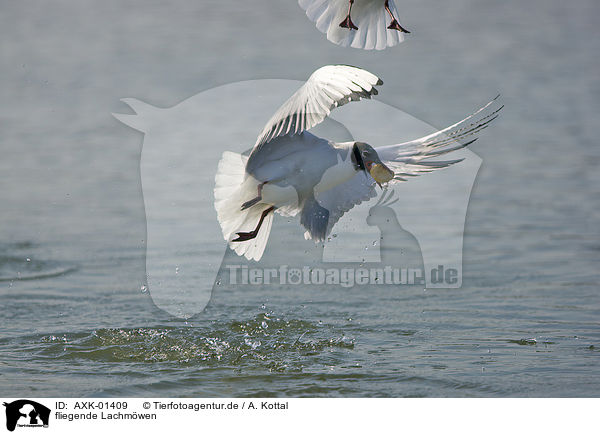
(28, 259)
(262, 306)
(264, 325)
(144, 289)
(176, 270)
(374, 243)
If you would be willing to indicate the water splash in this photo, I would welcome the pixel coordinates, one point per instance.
(275, 343)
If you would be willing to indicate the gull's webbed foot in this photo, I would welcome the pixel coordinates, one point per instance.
(248, 204)
(348, 24)
(395, 25)
(245, 236)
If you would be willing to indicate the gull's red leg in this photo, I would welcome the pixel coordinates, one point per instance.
(257, 199)
(347, 23)
(394, 25)
(245, 236)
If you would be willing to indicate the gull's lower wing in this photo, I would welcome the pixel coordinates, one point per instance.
(328, 87)
(342, 198)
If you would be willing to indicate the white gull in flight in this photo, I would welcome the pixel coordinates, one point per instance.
(366, 24)
(291, 171)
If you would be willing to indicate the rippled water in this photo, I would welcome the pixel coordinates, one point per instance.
(16, 268)
(75, 321)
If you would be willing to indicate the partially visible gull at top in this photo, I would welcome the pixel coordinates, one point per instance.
(365, 24)
(291, 171)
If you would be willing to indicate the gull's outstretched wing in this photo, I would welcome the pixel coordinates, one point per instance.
(370, 17)
(407, 159)
(328, 87)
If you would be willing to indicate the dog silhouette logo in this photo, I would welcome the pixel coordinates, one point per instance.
(26, 413)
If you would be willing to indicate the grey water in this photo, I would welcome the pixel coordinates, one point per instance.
(76, 319)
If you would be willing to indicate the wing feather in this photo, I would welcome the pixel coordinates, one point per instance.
(328, 87)
(408, 158)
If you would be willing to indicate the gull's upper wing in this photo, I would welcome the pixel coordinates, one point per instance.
(328, 87)
(407, 159)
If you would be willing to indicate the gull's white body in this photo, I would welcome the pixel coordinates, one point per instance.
(299, 170)
(300, 173)
(369, 16)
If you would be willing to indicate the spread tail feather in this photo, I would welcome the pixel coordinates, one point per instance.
(372, 22)
(231, 191)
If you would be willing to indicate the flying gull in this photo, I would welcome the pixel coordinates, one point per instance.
(291, 171)
(366, 24)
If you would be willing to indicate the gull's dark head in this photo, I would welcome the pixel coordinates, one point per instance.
(365, 158)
